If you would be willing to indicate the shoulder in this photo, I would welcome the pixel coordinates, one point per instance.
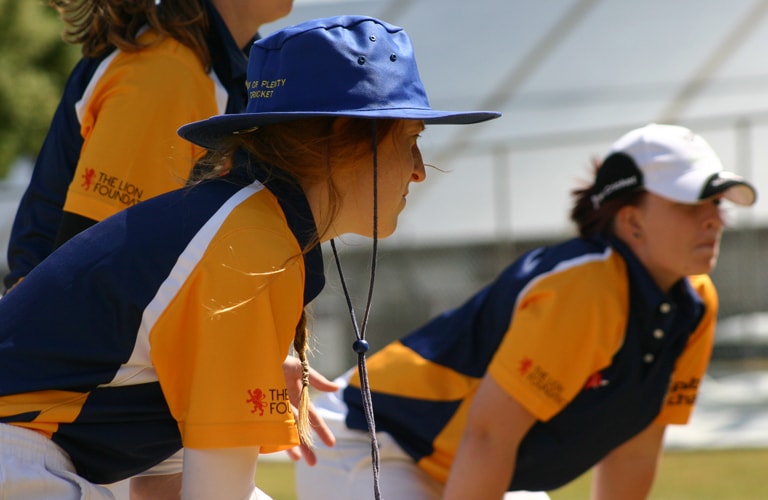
(165, 73)
(170, 59)
(577, 284)
(589, 266)
(258, 223)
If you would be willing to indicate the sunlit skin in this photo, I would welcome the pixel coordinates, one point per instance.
(245, 17)
(399, 164)
(672, 239)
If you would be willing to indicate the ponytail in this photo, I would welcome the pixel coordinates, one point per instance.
(301, 346)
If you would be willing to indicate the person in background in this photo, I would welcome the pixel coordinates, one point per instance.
(167, 324)
(148, 67)
(577, 356)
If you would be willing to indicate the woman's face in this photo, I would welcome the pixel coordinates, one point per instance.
(673, 239)
(399, 164)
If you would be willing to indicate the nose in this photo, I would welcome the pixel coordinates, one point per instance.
(419, 172)
(715, 216)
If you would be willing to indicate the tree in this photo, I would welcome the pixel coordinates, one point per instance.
(34, 65)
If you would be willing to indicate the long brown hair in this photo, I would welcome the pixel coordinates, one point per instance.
(101, 26)
(302, 151)
(307, 149)
(598, 221)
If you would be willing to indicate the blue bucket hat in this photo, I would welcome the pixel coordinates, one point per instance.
(350, 66)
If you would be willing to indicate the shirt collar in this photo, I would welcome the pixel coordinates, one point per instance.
(681, 296)
(229, 61)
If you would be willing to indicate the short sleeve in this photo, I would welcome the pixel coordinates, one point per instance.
(131, 151)
(219, 346)
(566, 326)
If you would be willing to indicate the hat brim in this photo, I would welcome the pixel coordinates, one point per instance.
(737, 191)
(214, 132)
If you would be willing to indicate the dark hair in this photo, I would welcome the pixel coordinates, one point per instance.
(306, 149)
(101, 26)
(598, 220)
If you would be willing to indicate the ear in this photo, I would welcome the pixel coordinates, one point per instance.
(628, 223)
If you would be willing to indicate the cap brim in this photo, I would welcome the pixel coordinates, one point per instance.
(214, 132)
(738, 192)
(732, 187)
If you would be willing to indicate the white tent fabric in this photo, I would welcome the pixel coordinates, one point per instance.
(570, 76)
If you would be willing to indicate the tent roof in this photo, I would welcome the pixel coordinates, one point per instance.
(569, 78)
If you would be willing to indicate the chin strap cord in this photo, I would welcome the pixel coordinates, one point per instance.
(360, 346)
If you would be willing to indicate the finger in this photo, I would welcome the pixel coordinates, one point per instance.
(320, 382)
(319, 426)
(308, 454)
(294, 453)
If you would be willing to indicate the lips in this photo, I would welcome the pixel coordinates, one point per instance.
(709, 246)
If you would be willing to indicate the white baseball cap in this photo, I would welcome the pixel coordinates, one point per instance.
(669, 161)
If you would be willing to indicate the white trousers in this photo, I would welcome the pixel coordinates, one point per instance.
(343, 472)
(171, 465)
(33, 466)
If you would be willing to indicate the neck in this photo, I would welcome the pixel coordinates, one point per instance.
(318, 204)
(242, 27)
(663, 278)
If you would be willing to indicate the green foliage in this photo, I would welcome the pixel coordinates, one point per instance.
(35, 64)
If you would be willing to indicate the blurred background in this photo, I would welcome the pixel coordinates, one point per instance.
(570, 77)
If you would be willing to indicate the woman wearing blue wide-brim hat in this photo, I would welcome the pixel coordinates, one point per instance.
(167, 324)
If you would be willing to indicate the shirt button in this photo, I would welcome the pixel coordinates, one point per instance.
(648, 358)
(658, 333)
(665, 308)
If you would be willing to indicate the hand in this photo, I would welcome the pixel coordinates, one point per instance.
(292, 372)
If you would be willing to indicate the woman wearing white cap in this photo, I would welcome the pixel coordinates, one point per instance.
(577, 355)
(166, 325)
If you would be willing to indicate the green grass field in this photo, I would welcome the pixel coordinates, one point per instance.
(684, 475)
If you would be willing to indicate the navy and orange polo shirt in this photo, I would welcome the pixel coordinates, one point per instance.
(112, 141)
(164, 325)
(578, 333)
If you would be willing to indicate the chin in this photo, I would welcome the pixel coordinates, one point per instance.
(704, 268)
(385, 231)
(712, 265)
